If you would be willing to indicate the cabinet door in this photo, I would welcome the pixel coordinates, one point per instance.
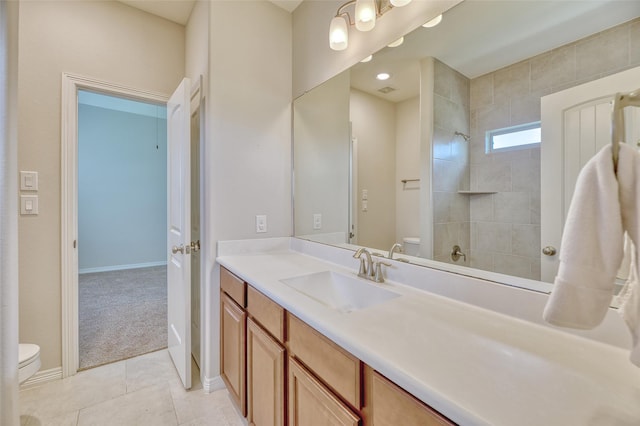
(265, 378)
(233, 349)
(393, 406)
(312, 404)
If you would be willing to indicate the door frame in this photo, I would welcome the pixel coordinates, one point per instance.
(71, 83)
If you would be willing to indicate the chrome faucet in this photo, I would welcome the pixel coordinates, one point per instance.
(366, 269)
(396, 247)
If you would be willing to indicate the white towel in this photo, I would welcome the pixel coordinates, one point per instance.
(603, 207)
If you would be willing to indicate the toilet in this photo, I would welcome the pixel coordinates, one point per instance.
(29, 361)
(411, 246)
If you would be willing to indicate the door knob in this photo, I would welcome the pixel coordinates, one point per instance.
(549, 251)
(176, 249)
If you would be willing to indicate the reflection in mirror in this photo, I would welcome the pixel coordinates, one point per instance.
(418, 159)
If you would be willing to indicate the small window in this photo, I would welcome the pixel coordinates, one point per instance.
(516, 137)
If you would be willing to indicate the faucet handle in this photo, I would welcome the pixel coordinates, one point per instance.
(379, 278)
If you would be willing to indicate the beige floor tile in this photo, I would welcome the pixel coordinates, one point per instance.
(145, 390)
(149, 370)
(85, 389)
(148, 406)
(66, 419)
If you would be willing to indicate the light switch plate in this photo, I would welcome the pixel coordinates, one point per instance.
(261, 223)
(28, 181)
(28, 204)
(317, 221)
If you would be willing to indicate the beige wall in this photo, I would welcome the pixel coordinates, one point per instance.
(407, 167)
(248, 151)
(374, 125)
(104, 40)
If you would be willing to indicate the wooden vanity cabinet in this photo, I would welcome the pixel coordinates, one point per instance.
(311, 403)
(280, 371)
(266, 358)
(391, 405)
(233, 323)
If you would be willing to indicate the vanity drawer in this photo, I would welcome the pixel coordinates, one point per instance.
(265, 311)
(336, 367)
(233, 286)
(393, 406)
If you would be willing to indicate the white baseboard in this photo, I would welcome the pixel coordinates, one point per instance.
(121, 267)
(42, 377)
(212, 384)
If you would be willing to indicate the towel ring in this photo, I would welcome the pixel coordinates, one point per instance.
(620, 101)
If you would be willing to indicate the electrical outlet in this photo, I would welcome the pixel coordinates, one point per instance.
(261, 223)
(317, 221)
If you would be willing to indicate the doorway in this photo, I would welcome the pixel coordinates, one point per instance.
(71, 86)
(122, 198)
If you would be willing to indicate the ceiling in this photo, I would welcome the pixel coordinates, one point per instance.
(178, 11)
(480, 36)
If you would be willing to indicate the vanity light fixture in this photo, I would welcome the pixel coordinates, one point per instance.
(364, 17)
(367, 59)
(432, 23)
(383, 76)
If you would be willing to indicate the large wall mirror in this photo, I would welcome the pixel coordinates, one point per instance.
(444, 156)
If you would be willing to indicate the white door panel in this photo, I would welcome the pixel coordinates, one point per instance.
(179, 231)
(576, 124)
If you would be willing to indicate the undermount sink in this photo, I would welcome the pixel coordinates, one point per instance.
(340, 292)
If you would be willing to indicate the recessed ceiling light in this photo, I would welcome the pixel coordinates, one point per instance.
(367, 59)
(383, 76)
(396, 43)
(432, 23)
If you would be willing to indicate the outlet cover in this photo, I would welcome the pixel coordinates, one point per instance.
(317, 221)
(261, 223)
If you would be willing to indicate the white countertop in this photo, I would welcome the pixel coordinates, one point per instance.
(472, 365)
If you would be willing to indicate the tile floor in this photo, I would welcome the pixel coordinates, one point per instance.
(140, 391)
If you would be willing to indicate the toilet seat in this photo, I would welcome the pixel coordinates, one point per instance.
(28, 361)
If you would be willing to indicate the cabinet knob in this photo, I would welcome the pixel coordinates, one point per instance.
(549, 251)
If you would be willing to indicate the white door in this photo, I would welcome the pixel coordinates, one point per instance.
(576, 123)
(179, 231)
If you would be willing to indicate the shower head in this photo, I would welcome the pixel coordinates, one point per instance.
(465, 137)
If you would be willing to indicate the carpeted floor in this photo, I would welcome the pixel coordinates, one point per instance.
(122, 314)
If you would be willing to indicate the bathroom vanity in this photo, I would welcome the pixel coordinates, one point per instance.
(401, 354)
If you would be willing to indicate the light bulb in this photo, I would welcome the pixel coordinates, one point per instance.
(400, 3)
(338, 33)
(383, 76)
(432, 23)
(365, 15)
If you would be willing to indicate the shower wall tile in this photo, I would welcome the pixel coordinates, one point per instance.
(481, 207)
(534, 207)
(442, 80)
(481, 260)
(493, 236)
(460, 93)
(553, 68)
(526, 240)
(481, 89)
(493, 177)
(511, 207)
(525, 174)
(441, 203)
(525, 109)
(602, 53)
(512, 81)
